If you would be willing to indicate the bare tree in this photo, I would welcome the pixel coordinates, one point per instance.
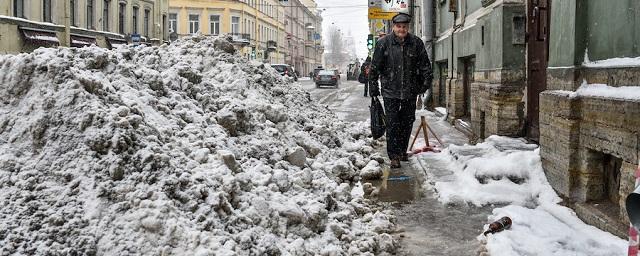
(336, 54)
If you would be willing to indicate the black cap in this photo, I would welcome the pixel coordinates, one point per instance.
(401, 18)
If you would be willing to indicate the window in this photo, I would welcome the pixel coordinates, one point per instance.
(164, 26)
(173, 22)
(72, 11)
(105, 15)
(46, 11)
(90, 14)
(214, 21)
(18, 8)
(194, 23)
(134, 20)
(235, 24)
(121, 15)
(147, 16)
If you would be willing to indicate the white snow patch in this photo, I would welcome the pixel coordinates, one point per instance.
(603, 90)
(509, 171)
(612, 63)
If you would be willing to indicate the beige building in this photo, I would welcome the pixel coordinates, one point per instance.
(303, 26)
(29, 24)
(257, 26)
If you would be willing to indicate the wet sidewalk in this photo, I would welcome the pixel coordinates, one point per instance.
(428, 226)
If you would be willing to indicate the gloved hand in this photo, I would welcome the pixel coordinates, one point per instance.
(373, 89)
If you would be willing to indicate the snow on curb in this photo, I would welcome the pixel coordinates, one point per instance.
(185, 149)
(509, 172)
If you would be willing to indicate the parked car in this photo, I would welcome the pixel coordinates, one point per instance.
(315, 73)
(327, 77)
(285, 70)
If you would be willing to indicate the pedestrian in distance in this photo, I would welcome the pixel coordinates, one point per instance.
(401, 63)
(364, 75)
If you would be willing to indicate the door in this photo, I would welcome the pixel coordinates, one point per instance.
(537, 57)
(469, 69)
(442, 83)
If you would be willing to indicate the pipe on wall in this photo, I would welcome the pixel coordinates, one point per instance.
(428, 25)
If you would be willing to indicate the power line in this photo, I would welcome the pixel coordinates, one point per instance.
(316, 7)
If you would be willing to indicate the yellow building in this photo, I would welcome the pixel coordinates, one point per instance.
(29, 24)
(256, 25)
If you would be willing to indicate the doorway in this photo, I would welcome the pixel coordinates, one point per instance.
(444, 69)
(537, 58)
(467, 78)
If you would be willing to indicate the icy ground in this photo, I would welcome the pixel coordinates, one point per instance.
(185, 149)
(506, 171)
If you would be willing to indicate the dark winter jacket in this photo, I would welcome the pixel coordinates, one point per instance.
(404, 68)
(364, 73)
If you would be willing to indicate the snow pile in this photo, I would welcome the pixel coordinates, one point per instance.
(509, 171)
(185, 149)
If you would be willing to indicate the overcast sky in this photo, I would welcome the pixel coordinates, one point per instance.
(348, 16)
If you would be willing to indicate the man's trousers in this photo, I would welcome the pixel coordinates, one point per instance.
(400, 117)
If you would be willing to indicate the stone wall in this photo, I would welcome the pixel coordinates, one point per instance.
(497, 106)
(455, 98)
(577, 132)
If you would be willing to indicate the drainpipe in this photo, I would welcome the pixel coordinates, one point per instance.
(453, 32)
(427, 26)
(67, 24)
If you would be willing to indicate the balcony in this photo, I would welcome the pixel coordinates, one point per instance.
(272, 45)
(241, 38)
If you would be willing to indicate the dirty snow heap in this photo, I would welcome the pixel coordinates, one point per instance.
(185, 149)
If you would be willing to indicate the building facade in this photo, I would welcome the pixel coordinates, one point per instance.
(590, 142)
(257, 26)
(516, 68)
(29, 24)
(303, 28)
(479, 65)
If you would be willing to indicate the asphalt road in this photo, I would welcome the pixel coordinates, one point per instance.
(347, 101)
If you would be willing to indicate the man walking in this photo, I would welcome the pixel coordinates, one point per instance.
(364, 75)
(401, 63)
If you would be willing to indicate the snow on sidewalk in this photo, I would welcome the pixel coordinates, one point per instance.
(185, 149)
(506, 171)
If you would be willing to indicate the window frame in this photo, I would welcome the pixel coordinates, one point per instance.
(91, 12)
(173, 23)
(106, 5)
(122, 16)
(134, 19)
(214, 30)
(237, 31)
(18, 12)
(47, 11)
(194, 25)
(73, 9)
(146, 19)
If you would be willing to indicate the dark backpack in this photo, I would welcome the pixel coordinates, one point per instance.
(363, 78)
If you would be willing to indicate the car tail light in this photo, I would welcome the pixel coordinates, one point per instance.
(334, 77)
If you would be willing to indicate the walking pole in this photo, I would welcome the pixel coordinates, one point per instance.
(423, 124)
(415, 137)
(434, 134)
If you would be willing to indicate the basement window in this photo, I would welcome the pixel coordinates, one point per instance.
(611, 177)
